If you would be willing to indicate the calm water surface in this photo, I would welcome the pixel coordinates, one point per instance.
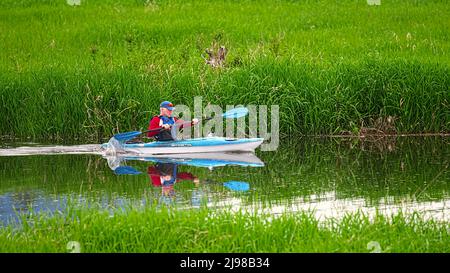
(329, 177)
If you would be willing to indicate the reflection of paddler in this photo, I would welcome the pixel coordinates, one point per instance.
(165, 174)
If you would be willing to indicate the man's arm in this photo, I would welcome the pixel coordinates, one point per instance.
(185, 176)
(154, 124)
(186, 123)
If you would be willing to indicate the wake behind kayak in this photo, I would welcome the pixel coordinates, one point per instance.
(52, 150)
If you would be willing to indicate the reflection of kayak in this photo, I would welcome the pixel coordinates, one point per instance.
(195, 145)
(197, 160)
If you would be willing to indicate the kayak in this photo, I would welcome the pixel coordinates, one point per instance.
(195, 145)
(208, 160)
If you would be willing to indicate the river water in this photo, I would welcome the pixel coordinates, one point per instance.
(326, 176)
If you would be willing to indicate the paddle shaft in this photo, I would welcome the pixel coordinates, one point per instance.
(161, 129)
(190, 122)
(184, 124)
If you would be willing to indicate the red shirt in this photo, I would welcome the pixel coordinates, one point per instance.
(154, 124)
(155, 176)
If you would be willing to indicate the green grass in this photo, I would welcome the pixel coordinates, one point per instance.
(331, 66)
(149, 230)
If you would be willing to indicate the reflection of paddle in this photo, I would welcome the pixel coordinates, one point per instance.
(233, 113)
(237, 185)
(126, 170)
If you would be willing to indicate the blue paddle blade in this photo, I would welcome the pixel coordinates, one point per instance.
(127, 136)
(236, 113)
(126, 170)
(237, 186)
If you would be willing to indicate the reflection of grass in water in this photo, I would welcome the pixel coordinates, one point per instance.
(326, 65)
(83, 174)
(415, 170)
(151, 230)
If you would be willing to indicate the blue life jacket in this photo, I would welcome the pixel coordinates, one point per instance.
(167, 120)
(165, 134)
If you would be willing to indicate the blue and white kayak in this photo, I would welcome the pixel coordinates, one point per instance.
(195, 145)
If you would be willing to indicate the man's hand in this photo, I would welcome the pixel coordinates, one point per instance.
(166, 126)
(194, 121)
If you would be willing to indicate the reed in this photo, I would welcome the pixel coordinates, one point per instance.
(331, 67)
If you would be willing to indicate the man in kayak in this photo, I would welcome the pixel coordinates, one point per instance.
(165, 121)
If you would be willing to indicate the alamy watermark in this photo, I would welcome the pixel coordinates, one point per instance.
(74, 2)
(73, 247)
(374, 246)
(374, 2)
(255, 124)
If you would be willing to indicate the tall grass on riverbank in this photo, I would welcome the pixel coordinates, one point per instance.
(312, 100)
(331, 67)
(149, 230)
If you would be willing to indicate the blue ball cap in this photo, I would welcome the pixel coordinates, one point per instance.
(167, 104)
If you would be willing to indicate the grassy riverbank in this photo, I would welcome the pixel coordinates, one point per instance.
(332, 67)
(148, 230)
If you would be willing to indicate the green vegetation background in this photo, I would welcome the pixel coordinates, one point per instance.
(332, 66)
